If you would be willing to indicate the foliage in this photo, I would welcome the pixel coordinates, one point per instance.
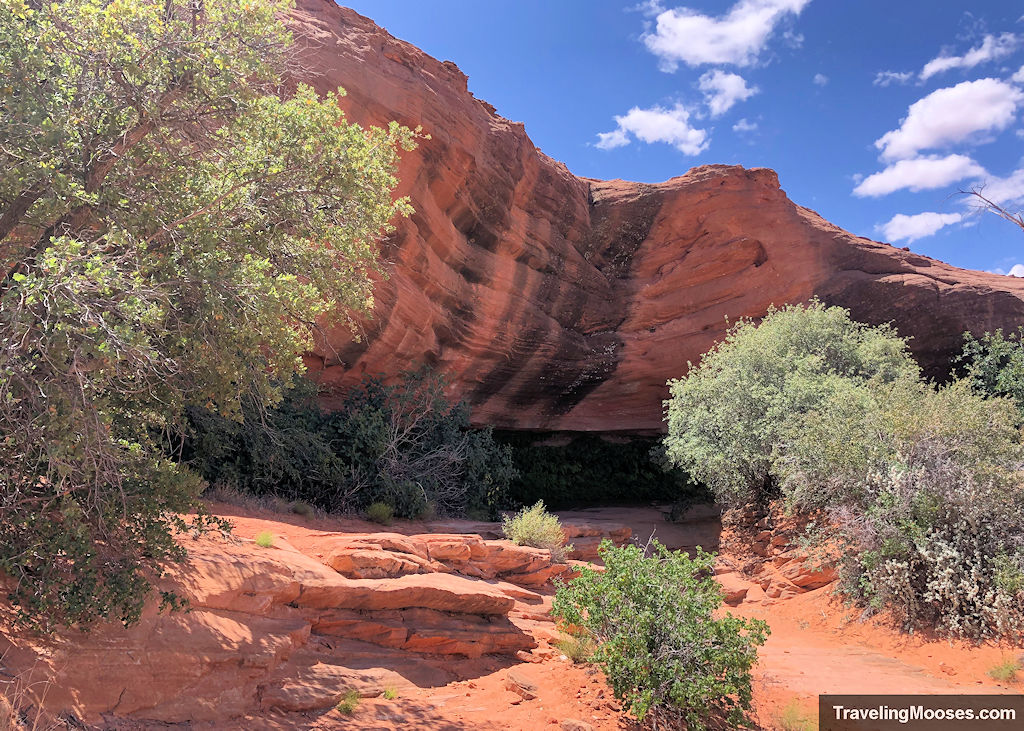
(349, 703)
(264, 539)
(390, 694)
(404, 445)
(538, 528)
(579, 648)
(1005, 671)
(921, 487)
(792, 717)
(727, 418)
(664, 652)
(566, 471)
(918, 487)
(172, 231)
(380, 513)
(994, 364)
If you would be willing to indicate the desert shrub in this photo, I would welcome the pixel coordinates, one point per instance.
(920, 485)
(349, 703)
(566, 471)
(728, 417)
(994, 364)
(666, 655)
(1005, 671)
(404, 444)
(536, 527)
(175, 225)
(390, 694)
(577, 646)
(380, 513)
(792, 717)
(917, 486)
(264, 539)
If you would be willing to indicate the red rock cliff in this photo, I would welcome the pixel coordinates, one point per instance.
(564, 303)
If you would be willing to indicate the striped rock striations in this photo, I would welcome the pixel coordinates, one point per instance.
(555, 302)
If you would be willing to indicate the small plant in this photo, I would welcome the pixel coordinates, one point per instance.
(1005, 671)
(794, 718)
(666, 654)
(380, 513)
(538, 528)
(302, 508)
(390, 694)
(265, 539)
(349, 703)
(577, 647)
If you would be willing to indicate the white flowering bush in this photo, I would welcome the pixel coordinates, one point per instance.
(921, 487)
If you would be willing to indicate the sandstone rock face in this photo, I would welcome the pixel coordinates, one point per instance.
(563, 303)
(279, 630)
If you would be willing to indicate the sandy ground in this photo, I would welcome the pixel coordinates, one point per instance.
(817, 646)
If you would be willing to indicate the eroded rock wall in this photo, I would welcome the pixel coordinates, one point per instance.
(556, 302)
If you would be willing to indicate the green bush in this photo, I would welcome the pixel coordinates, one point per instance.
(176, 226)
(404, 445)
(916, 486)
(380, 513)
(666, 655)
(994, 364)
(538, 528)
(920, 488)
(264, 539)
(728, 417)
(566, 471)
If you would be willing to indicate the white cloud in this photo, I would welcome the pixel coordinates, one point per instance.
(1019, 76)
(820, 79)
(657, 124)
(951, 115)
(992, 48)
(613, 139)
(910, 228)
(922, 173)
(722, 90)
(684, 35)
(744, 126)
(886, 78)
(1017, 270)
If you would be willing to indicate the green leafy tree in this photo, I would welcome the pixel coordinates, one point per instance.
(173, 228)
(994, 364)
(728, 416)
(666, 654)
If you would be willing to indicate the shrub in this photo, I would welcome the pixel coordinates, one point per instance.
(302, 508)
(920, 487)
(538, 528)
(994, 364)
(728, 416)
(793, 717)
(176, 225)
(265, 539)
(404, 444)
(390, 694)
(576, 646)
(380, 513)
(349, 703)
(665, 654)
(1005, 671)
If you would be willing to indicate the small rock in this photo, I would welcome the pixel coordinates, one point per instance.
(521, 685)
(574, 724)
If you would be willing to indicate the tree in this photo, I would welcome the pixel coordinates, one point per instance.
(174, 228)
(983, 203)
(728, 417)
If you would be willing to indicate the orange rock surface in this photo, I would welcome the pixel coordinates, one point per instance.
(564, 303)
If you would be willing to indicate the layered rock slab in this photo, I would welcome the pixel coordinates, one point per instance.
(564, 303)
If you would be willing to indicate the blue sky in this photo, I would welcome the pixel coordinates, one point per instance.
(873, 113)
